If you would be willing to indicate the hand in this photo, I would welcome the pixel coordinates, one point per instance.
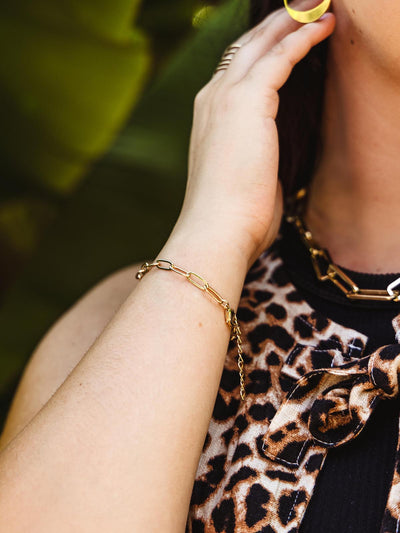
(232, 191)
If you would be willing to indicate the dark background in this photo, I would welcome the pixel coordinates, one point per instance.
(96, 101)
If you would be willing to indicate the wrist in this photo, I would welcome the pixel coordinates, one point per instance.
(215, 259)
(219, 238)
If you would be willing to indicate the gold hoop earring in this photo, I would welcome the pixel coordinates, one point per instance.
(310, 15)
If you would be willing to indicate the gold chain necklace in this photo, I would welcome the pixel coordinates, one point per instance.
(323, 265)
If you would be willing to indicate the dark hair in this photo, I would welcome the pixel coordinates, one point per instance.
(300, 109)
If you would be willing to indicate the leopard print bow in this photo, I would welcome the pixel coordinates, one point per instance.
(330, 406)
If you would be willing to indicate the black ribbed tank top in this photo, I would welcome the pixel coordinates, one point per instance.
(352, 488)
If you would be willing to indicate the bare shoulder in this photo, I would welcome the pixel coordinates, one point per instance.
(63, 346)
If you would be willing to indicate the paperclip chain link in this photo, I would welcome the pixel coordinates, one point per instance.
(199, 282)
(324, 267)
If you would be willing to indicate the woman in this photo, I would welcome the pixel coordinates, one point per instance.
(131, 415)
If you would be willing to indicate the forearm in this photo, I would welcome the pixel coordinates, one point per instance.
(117, 446)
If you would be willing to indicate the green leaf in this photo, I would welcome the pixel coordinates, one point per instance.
(69, 75)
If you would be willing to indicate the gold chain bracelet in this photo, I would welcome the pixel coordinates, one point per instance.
(202, 284)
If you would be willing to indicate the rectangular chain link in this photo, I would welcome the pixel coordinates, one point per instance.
(199, 282)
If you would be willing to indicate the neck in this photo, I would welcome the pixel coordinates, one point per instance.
(354, 197)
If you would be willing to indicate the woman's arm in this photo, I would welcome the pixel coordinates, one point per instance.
(63, 347)
(116, 447)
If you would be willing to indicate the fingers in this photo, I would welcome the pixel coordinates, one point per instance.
(258, 40)
(262, 65)
(274, 67)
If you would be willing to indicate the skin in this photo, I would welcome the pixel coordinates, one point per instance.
(116, 444)
(84, 402)
(353, 208)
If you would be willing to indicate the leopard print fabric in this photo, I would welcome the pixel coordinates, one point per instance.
(243, 482)
(330, 406)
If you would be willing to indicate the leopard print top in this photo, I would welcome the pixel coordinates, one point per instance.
(242, 485)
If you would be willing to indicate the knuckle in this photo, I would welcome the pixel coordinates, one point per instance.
(227, 98)
(272, 95)
(272, 99)
(234, 94)
(200, 96)
(278, 48)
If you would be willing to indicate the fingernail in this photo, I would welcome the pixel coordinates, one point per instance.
(325, 16)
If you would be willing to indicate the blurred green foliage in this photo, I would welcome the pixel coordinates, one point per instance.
(70, 76)
(83, 220)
